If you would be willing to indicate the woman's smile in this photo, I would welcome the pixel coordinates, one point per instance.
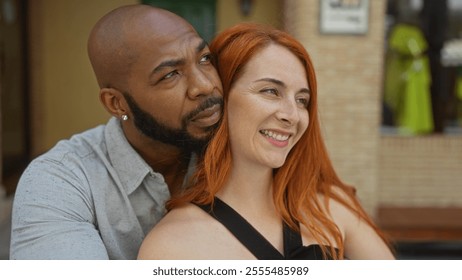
(278, 139)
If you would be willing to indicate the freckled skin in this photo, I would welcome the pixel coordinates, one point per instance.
(270, 99)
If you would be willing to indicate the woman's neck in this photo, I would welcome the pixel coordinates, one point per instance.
(249, 189)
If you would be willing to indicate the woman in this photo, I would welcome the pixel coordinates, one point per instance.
(266, 188)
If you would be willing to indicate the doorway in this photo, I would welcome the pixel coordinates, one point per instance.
(13, 99)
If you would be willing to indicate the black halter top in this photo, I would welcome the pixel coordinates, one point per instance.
(256, 243)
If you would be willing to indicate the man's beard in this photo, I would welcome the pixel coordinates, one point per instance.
(180, 138)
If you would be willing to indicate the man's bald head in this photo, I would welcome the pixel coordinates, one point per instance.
(114, 40)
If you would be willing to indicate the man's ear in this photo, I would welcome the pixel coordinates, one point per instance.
(114, 102)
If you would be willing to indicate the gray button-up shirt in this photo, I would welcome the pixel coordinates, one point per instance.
(89, 197)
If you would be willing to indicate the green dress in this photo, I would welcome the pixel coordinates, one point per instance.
(408, 80)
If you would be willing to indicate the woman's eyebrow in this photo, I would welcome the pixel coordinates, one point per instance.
(281, 83)
(272, 80)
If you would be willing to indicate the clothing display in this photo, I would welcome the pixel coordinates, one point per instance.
(408, 80)
(260, 247)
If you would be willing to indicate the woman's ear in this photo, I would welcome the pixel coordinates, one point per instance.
(114, 102)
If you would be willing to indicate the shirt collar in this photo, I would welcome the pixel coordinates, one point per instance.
(130, 167)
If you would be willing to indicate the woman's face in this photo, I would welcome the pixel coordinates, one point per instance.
(267, 108)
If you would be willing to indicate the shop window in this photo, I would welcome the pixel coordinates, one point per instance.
(423, 67)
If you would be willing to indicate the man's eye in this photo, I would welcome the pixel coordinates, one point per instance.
(170, 75)
(206, 58)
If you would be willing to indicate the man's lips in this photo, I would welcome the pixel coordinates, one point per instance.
(208, 117)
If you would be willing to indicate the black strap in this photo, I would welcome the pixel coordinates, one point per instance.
(292, 241)
(256, 243)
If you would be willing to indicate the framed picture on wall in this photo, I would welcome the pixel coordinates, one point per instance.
(344, 17)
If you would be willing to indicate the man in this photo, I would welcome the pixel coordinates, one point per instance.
(96, 195)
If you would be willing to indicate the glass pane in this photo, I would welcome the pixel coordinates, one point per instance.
(200, 13)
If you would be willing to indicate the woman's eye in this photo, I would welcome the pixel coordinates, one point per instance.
(304, 101)
(270, 91)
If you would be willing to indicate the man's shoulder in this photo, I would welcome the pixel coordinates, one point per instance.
(78, 147)
(81, 151)
(80, 144)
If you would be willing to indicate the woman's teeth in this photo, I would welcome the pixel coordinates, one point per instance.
(274, 135)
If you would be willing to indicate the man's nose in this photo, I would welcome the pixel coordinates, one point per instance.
(201, 83)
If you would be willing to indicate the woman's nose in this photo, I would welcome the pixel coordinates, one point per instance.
(288, 112)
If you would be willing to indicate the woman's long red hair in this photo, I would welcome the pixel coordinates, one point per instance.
(307, 171)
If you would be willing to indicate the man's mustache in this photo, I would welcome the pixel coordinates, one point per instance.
(204, 105)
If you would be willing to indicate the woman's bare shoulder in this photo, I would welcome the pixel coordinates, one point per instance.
(189, 233)
(360, 239)
(175, 235)
(339, 212)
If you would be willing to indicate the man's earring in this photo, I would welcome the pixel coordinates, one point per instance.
(124, 117)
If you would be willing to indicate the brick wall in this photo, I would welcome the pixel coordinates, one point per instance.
(349, 70)
(420, 171)
(389, 171)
